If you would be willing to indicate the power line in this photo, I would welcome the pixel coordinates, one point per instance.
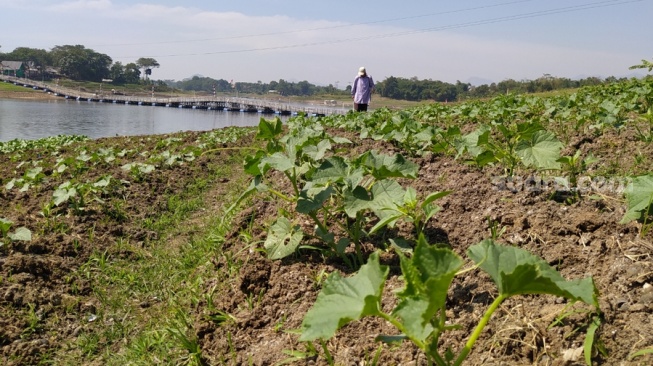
(567, 9)
(389, 20)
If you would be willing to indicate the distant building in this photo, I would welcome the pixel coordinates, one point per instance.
(12, 68)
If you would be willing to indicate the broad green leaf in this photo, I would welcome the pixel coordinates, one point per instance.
(487, 157)
(317, 152)
(473, 142)
(516, 272)
(343, 300)
(33, 174)
(252, 163)
(21, 234)
(63, 194)
(541, 151)
(385, 166)
(10, 184)
(431, 270)
(332, 170)
(415, 314)
(428, 275)
(268, 130)
(146, 168)
(278, 161)
(387, 196)
(639, 198)
(384, 198)
(283, 239)
(312, 198)
(357, 200)
(25, 187)
(103, 182)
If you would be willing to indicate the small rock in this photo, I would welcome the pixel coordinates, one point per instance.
(637, 308)
(76, 331)
(572, 354)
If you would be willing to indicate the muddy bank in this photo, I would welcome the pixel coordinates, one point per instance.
(31, 95)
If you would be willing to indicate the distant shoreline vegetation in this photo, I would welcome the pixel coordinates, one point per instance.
(82, 64)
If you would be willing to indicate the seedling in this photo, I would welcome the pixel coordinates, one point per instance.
(20, 234)
(420, 314)
(574, 166)
(639, 198)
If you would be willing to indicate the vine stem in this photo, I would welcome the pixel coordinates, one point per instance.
(479, 329)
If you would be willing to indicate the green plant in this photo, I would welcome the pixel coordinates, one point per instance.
(573, 166)
(646, 134)
(31, 177)
(78, 195)
(139, 171)
(33, 320)
(642, 352)
(420, 314)
(639, 198)
(20, 234)
(527, 143)
(411, 210)
(178, 329)
(296, 355)
(496, 229)
(591, 343)
(5, 225)
(330, 190)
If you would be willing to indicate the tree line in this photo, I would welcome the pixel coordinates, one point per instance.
(79, 63)
(281, 87)
(424, 90)
(84, 64)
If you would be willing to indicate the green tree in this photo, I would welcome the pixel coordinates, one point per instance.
(644, 65)
(34, 59)
(81, 63)
(147, 64)
(132, 73)
(117, 73)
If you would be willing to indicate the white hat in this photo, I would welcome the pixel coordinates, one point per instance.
(361, 71)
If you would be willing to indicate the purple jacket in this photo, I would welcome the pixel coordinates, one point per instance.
(361, 90)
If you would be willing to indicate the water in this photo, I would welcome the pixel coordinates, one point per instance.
(31, 120)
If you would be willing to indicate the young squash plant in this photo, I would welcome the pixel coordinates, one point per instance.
(20, 234)
(420, 313)
(335, 192)
(512, 144)
(639, 198)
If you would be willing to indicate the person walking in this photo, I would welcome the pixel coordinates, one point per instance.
(361, 90)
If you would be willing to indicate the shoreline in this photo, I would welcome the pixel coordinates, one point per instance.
(31, 95)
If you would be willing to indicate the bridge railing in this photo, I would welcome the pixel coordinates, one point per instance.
(230, 102)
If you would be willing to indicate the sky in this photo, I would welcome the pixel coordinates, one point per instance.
(325, 42)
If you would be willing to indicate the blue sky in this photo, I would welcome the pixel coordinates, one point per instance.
(325, 42)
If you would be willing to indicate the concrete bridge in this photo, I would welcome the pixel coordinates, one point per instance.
(203, 102)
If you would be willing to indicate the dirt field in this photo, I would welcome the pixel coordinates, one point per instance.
(582, 239)
(251, 305)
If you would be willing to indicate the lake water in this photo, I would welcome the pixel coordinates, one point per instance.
(31, 120)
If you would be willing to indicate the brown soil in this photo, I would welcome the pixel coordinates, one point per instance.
(580, 239)
(268, 299)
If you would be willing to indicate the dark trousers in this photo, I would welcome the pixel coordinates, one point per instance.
(360, 107)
